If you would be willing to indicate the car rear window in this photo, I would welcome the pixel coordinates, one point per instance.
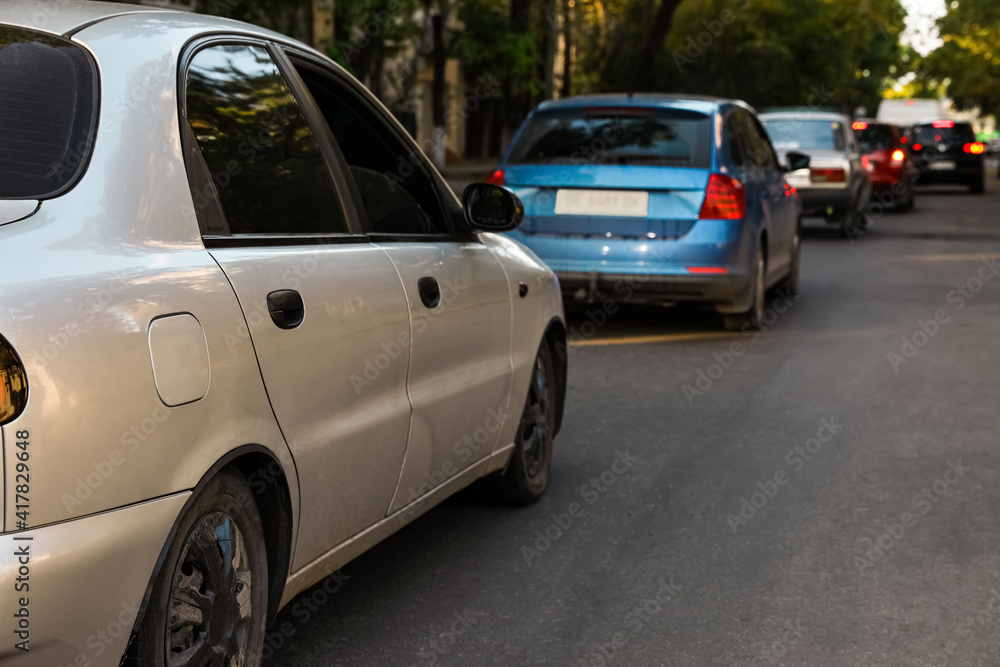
(957, 133)
(797, 134)
(875, 138)
(47, 113)
(620, 136)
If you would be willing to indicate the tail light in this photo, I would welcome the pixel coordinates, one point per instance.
(724, 199)
(707, 270)
(496, 178)
(943, 123)
(790, 190)
(974, 148)
(827, 176)
(897, 157)
(918, 147)
(860, 125)
(903, 140)
(867, 164)
(13, 384)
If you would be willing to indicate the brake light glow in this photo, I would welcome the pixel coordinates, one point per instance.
(918, 147)
(943, 123)
(898, 156)
(860, 125)
(828, 176)
(790, 190)
(13, 384)
(707, 269)
(975, 148)
(903, 140)
(867, 164)
(496, 178)
(724, 199)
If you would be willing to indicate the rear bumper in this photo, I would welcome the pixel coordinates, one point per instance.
(653, 270)
(961, 174)
(816, 201)
(83, 582)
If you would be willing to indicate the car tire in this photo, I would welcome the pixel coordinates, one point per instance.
(527, 474)
(751, 319)
(202, 573)
(790, 283)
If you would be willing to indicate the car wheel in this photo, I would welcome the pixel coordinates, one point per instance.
(527, 474)
(751, 319)
(791, 282)
(209, 605)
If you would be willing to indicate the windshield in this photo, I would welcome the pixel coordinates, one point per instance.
(630, 136)
(876, 138)
(958, 133)
(47, 111)
(794, 134)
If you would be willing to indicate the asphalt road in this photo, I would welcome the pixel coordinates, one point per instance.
(816, 502)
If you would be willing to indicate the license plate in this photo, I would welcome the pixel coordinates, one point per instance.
(798, 179)
(618, 203)
(943, 165)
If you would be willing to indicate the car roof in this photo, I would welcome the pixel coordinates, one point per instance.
(702, 103)
(70, 16)
(805, 114)
(64, 16)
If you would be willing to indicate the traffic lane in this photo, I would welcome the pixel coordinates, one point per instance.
(458, 587)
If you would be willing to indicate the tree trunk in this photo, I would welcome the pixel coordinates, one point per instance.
(643, 69)
(440, 134)
(567, 72)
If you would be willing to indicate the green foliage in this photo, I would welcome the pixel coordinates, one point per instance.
(968, 63)
(490, 46)
(768, 52)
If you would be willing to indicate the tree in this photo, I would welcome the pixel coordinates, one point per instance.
(967, 64)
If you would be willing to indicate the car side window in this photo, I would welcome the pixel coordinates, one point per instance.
(395, 193)
(265, 166)
(762, 145)
(737, 147)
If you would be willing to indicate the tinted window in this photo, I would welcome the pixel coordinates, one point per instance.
(735, 131)
(796, 134)
(46, 113)
(959, 133)
(760, 145)
(876, 138)
(389, 175)
(264, 160)
(639, 136)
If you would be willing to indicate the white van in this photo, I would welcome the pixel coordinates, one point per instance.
(910, 112)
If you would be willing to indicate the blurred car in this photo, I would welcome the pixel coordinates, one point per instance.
(891, 169)
(946, 153)
(616, 187)
(836, 186)
(239, 345)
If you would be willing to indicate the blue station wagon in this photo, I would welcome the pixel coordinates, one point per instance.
(682, 194)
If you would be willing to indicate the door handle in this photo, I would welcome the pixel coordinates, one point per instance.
(286, 308)
(430, 292)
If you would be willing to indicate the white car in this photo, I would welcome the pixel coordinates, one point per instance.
(246, 332)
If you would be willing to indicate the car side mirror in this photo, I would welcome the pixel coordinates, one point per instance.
(797, 161)
(492, 208)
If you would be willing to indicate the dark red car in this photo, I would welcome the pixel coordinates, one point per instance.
(887, 157)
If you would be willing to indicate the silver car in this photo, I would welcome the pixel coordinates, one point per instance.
(836, 184)
(246, 333)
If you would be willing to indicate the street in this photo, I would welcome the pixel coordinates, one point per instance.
(822, 493)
